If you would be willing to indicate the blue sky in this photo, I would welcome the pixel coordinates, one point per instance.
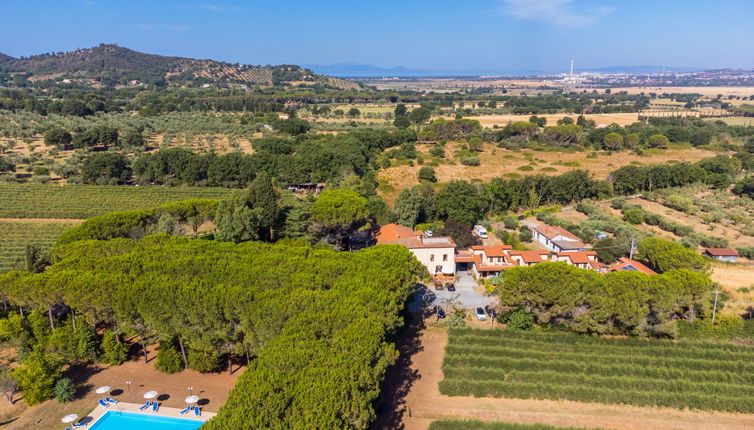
(484, 36)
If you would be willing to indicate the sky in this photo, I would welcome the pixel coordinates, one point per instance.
(477, 36)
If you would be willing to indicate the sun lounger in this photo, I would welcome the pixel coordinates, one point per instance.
(79, 425)
(185, 410)
(103, 403)
(155, 406)
(109, 400)
(197, 411)
(145, 405)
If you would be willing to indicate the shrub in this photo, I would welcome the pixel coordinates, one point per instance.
(455, 320)
(470, 161)
(169, 360)
(37, 377)
(427, 174)
(524, 234)
(510, 221)
(437, 151)
(518, 319)
(633, 216)
(202, 361)
(746, 252)
(40, 171)
(526, 168)
(113, 352)
(64, 390)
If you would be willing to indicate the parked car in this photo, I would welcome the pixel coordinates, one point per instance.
(451, 287)
(490, 311)
(428, 233)
(480, 231)
(440, 313)
(480, 315)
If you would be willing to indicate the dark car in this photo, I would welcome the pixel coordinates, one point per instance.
(490, 311)
(440, 313)
(451, 287)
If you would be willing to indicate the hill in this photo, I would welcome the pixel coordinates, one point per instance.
(111, 65)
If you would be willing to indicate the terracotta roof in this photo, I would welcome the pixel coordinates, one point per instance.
(418, 242)
(721, 252)
(579, 257)
(552, 231)
(493, 251)
(464, 257)
(530, 256)
(482, 266)
(389, 232)
(628, 264)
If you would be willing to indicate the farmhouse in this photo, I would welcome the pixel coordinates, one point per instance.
(628, 264)
(557, 239)
(485, 261)
(528, 258)
(722, 254)
(581, 259)
(437, 253)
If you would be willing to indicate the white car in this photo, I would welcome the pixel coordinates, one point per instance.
(480, 315)
(480, 231)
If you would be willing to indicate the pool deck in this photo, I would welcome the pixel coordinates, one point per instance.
(97, 413)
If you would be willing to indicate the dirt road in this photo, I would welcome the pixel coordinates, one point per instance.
(417, 401)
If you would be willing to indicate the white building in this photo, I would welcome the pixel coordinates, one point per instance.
(557, 239)
(437, 253)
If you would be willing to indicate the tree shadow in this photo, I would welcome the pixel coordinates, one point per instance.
(80, 374)
(399, 378)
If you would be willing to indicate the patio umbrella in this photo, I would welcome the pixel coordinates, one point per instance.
(69, 418)
(150, 395)
(192, 399)
(102, 390)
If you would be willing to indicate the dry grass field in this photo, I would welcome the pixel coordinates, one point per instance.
(710, 92)
(498, 162)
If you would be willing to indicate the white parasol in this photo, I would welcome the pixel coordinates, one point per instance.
(150, 394)
(192, 399)
(102, 390)
(69, 418)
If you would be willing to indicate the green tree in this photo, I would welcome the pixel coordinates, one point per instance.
(461, 234)
(251, 214)
(134, 139)
(338, 213)
(609, 250)
(459, 201)
(658, 141)
(427, 174)
(168, 358)
(86, 139)
(632, 140)
(353, 113)
(419, 115)
(58, 137)
(663, 256)
(612, 141)
(37, 377)
(113, 352)
(106, 168)
(407, 207)
(36, 258)
(518, 319)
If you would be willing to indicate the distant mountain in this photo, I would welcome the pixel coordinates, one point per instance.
(352, 70)
(112, 64)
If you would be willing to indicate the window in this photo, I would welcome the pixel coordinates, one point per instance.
(431, 257)
(445, 257)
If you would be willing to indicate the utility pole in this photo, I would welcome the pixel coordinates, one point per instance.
(714, 308)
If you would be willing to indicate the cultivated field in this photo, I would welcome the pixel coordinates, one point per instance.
(710, 92)
(15, 234)
(502, 120)
(498, 162)
(500, 363)
(85, 201)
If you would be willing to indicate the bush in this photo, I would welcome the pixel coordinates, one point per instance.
(64, 390)
(510, 221)
(203, 362)
(633, 216)
(169, 360)
(37, 377)
(470, 161)
(113, 352)
(746, 252)
(40, 171)
(518, 319)
(427, 174)
(524, 234)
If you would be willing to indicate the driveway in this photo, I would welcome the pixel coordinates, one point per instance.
(464, 296)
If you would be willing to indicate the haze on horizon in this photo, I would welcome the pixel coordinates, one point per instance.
(484, 36)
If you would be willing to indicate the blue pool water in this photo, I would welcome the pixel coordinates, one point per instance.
(113, 420)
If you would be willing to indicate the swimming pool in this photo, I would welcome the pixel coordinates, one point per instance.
(115, 420)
